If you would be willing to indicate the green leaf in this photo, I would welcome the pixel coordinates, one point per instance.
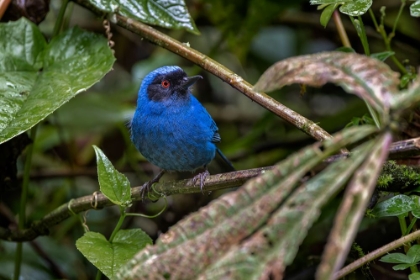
(414, 253)
(345, 50)
(110, 257)
(401, 266)
(382, 56)
(327, 13)
(416, 213)
(414, 276)
(356, 7)
(348, 7)
(407, 98)
(395, 206)
(170, 14)
(36, 78)
(396, 258)
(407, 78)
(114, 185)
(326, 2)
(415, 9)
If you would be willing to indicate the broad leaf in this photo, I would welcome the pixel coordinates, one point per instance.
(414, 253)
(415, 9)
(327, 13)
(356, 7)
(110, 257)
(395, 206)
(369, 78)
(396, 258)
(414, 276)
(169, 14)
(405, 261)
(37, 78)
(114, 185)
(401, 266)
(382, 56)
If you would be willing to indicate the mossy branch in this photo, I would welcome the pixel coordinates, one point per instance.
(212, 183)
(98, 201)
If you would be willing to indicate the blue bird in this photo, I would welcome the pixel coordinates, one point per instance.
(171, 128)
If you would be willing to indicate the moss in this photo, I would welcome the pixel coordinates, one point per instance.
(398, 178)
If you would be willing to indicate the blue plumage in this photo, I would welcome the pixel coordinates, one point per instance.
(170, 127)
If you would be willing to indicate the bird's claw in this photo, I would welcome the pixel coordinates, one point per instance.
(145, 189)
(202, 177)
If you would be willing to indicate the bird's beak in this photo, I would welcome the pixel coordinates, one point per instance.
(190, 81)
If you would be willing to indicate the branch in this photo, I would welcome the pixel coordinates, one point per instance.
(97, 201)
(217, 69)
(409, 147)
(377, 253)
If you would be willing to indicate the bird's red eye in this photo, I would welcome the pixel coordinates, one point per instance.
(165, 83)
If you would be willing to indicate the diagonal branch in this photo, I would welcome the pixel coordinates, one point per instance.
(217, 69)
(97, 201)
(410, 147)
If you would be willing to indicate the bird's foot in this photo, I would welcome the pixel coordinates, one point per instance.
(147, 186)
(202, 177)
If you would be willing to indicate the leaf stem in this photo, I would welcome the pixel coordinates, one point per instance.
(119, 224)
(373, 115)
(23, 198)
(410, 227)
(360, 29)
(392, 34)
(363, 37)
(387, 39)
(341, 30)
(60, 18)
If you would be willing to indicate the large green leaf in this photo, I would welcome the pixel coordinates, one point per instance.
(109, 257)
(37, 78)
(395, 206)
(114, 185)
(415, 9)
(169, 14)
(412, 258)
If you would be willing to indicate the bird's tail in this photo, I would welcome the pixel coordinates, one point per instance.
(225, 159)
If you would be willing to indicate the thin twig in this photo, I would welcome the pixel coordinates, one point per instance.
(376, 254)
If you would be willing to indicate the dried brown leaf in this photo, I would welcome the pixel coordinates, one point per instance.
(369, 78)
(352, 208)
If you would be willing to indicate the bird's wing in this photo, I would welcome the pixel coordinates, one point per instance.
(216, 136)
(206, 120)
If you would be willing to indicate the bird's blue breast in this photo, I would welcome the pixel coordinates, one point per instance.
(175, 135)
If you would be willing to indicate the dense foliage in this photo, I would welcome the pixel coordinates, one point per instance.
(313, 192)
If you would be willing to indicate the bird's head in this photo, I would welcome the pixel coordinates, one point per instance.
(165, 83)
